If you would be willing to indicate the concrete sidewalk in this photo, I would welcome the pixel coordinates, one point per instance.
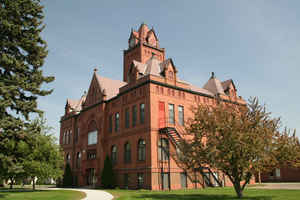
(288, 186)
(91, 194)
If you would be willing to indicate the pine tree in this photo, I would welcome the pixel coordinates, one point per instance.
(22, 55)
(107, 176)
(68, 177)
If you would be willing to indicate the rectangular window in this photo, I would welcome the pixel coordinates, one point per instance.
(92, 137)
(142, 113)
(117, 122)
(181, 115)
(277, 172)
(165, 180)
(171, 114)
(91, 156)
(183, 179)
(77, 135)
(127, 118)
(110, 124)
(140, 180)
(134, 110)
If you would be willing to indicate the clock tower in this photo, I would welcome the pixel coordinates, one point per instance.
(142, 44)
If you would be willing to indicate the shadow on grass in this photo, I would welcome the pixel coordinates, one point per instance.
(199, 197)
(20, 190)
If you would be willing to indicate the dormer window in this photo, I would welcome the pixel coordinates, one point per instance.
(132, 42)
(170, 75)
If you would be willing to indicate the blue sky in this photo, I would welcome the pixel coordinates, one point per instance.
(254, 42)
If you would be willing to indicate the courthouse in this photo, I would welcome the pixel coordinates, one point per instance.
(138, 121)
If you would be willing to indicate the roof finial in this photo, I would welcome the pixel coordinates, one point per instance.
(95, 69)
(213, 75)
(84, 93)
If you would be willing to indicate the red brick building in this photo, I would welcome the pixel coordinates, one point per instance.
(282, 174)
(138, 120)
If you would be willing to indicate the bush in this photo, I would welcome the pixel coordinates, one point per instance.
(107, 176)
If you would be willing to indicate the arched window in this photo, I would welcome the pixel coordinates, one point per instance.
(68, 157)
(78, 160)
(64, 138)
(114, 154)
(70, 136)
(141, 150)
(127, 153)
(163, 149)
(67, 137)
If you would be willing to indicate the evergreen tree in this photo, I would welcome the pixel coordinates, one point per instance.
(22, 54)
(107, 176)
(68, 177)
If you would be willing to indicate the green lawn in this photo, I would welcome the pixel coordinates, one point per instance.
(206, 194)
(19, 194)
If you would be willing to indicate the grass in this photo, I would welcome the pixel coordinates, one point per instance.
(26, 194)
(205, 194)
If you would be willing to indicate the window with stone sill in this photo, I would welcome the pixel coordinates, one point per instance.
(117, 122)
(141, 150)
(92, 137)
(142, 113)
(134, 115)
(114, 154)
(127, 153)
(127, 118)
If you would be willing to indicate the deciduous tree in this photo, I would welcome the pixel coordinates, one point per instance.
(238, 140)
(43, 159)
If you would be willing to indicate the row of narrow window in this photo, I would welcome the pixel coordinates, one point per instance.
(127, 118)
(67, 137)
(180, 119)
(127, 153)
(164, 179)
(170, 92)
(141, 150)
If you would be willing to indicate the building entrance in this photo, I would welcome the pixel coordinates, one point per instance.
(91, 178)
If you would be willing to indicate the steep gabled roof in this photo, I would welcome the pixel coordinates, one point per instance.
(201, 90)
(226, 84)
(76, 105)
(152, 31)
(109, 87)
(166, 62)
(153, 66)
(214, 85)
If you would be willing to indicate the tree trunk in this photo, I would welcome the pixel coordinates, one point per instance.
(33, 183)
(259, 177)
(238, 189)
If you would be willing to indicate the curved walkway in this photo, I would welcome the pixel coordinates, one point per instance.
(91, 194)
